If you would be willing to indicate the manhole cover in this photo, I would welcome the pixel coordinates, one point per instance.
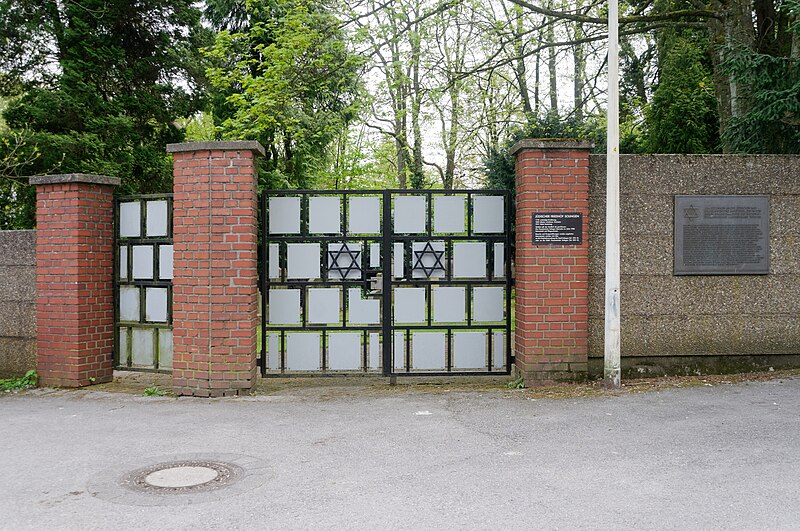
(182, 477)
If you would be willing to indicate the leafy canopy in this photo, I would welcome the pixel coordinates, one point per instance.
(286, 79)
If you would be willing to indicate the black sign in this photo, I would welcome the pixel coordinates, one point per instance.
(721, 235)
(557, 228)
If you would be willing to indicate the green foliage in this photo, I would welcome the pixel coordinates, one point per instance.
(772, 95)
(519, 383)
(357, 163)
(121, 74)
(682, 115)
(499, 166)
(199, 127)
(287, 80)
(154, 390)
(30, 379)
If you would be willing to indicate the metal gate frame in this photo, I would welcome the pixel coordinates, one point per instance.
(124, 355)
(387, 239)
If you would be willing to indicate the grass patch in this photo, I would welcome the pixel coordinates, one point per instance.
(16, 384)
(154, 390)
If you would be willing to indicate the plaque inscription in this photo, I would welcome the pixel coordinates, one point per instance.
(721, 235)
(557, 228)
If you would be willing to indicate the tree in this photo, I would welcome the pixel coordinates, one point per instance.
(105, 86)
(682, 115)
(287, 79)
(771, 90)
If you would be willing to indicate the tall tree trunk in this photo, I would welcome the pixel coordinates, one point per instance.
(399, 89)
(537, 81)
(417, 173)
(520, 71)
(551, 62)
(735, 27)
(579, 75)
(451, 142)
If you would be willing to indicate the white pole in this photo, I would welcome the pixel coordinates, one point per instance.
(612, 322)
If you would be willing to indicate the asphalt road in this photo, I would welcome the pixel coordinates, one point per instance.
(721, 457)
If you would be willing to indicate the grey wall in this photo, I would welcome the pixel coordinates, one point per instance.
(17, 302)
(689, 324)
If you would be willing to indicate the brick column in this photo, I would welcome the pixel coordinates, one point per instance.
(74, 278)
(215, 283)
(552, 319)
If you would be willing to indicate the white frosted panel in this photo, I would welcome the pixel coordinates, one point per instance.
(469, 260)
(409, 305)
(374, 351)
(499, 261)
(302, 352)
(128, 303)
(155, 308)
(410, 214)
(487, 304)
(274, 354)
(123, 347)
(165, 349)
(123, 262)
(344, 352)
(428, 350)
(448, 214)
(365, 215)
(284, 215)
(165, 261)
(156, 222)
(130, 224)
(142, 354)
(323, 305)
(469, 350)
(362, 311)
(399, 350)
(499, 350)
(374, 255)
(488, 214)
(284, 306)
(398, 269)
(449, 305)
(143, 262)
(324, 215)
(302, 260)
(344, 261)
(428, 259)
(274, 261)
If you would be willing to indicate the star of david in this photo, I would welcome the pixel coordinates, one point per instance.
(344, 261)
(428, 251)
(690, 212)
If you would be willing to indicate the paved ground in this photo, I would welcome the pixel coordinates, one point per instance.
(704, 457)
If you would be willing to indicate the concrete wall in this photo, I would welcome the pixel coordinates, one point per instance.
(17, 302)
(690, 324)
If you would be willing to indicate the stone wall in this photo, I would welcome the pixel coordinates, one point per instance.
(17, 302)
(690, 324)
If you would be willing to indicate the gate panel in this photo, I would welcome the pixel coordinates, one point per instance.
(320, 282)
(451, 286)
(402, 282)
(143, 282)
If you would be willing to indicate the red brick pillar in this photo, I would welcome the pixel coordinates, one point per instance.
(552, 320)
(75, 278)
(215, 282)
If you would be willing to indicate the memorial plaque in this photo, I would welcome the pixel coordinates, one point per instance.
(721, 235)
(557, 228)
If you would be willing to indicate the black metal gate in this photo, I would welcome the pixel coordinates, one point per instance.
(143, 283)
(396, 282)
